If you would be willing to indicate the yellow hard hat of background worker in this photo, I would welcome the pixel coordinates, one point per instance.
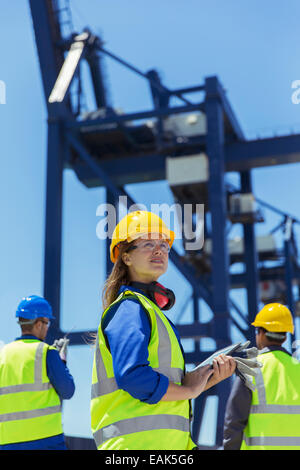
(275, 317)
(136, 224)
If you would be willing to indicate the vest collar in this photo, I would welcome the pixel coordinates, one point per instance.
(27, 337)
(133, 289)
(273, 348)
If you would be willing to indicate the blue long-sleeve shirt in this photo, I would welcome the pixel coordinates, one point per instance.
(127, 329)
(61, 379)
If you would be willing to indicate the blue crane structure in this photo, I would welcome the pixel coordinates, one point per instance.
(109, 149)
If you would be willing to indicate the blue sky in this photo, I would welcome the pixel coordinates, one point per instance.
(250, 45)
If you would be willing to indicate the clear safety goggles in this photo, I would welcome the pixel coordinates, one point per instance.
(150, 245)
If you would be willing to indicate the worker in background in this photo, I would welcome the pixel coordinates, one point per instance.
(267, 418)
(140, 392)
(34, 379)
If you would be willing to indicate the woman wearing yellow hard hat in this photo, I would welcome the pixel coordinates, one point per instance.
(140, 391)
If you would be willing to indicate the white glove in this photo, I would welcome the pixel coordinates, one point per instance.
(242, 351)
(62, 345)
(246, 368)
(247, 364)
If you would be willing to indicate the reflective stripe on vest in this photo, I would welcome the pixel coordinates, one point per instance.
(29, 414)
(140, 424)
(264, 408)
(277, 441)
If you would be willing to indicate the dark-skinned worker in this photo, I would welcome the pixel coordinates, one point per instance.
(34, 379)
(267, 418)
(140, 391)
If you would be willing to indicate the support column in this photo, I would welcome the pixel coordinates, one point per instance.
(53, 224)
(110, 199)
(251, 261)
(95, 62)
(160, 100)
(289, 272)
(218, 209)
(199, 402)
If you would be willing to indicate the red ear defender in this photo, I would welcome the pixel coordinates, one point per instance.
(161, 300)
(164, 298)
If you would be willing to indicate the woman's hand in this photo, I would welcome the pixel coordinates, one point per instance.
(199, 380)
(223, 367)
(196, 380)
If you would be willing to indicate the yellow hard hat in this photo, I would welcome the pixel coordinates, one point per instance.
(136, 224)
(275, 317)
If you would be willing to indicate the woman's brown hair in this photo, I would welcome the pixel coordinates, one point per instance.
(119, 276)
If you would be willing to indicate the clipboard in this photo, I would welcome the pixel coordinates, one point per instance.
(228, 351)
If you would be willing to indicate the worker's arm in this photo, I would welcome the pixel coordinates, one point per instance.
(193, 385)
(127, 330)
(236, 415)
(59, 375)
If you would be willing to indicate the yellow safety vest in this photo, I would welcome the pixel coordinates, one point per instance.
(274, 419)
(30, 408)
(121, 422)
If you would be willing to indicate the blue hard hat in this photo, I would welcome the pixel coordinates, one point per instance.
(33, 307)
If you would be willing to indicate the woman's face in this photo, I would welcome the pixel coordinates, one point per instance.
(148, 260)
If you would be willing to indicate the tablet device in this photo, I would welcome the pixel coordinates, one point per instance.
(227, 351)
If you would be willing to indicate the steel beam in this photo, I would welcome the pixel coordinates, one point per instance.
(51, 57)
(53, 223)
(250, 261)
(220, 257)
(94, 60)
(94, 123)
(243, 156)
(110, 199)
(220, 95)
(217, 204)
(151, 166)
(160, 100)
(289, 275)
(47, 35)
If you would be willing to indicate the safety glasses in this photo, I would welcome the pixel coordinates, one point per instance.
(150, 245)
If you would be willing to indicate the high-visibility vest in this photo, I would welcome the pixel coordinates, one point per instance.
(274, 419)
(121, 422)
(30, 408)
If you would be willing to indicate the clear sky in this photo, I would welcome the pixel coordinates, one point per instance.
(253, 48)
